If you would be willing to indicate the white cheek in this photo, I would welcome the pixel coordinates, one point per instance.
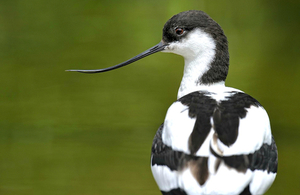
(184, 48)
(195, 43)
(173, 48)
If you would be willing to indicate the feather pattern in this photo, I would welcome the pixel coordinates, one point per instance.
(224, 147)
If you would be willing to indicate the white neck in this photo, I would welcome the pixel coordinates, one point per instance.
(198, 50)
(197, 61)
(193, 71)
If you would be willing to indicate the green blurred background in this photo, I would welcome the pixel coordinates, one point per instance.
(70, 133)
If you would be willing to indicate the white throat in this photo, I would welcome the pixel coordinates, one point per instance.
(198, 50)
(193, 71)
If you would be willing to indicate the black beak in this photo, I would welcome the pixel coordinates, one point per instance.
(159, 47)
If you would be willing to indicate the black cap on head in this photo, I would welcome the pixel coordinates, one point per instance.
(188, 21)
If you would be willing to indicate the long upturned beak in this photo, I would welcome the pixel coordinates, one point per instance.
(159, 47)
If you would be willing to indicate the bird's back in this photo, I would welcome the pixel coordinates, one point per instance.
(214, 142)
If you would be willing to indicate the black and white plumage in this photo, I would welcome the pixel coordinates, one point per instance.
(211, 146)
(214, 139)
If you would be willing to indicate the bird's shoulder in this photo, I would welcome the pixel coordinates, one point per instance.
(233, 115)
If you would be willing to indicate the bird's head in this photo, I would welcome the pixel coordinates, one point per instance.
(190, 34)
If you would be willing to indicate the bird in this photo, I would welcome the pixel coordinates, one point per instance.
(214, 139)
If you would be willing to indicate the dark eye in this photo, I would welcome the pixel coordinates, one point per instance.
(179, 31)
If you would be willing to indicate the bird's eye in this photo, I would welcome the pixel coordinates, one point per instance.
(179, 31)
